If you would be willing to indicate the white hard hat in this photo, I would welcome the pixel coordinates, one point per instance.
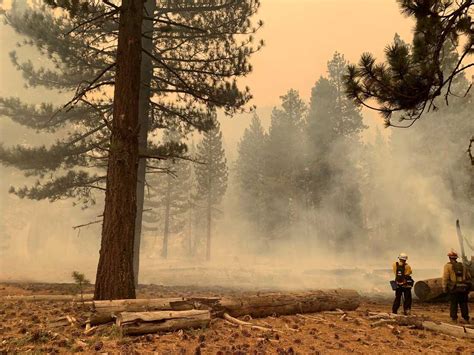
(453, 254)
(403, 256)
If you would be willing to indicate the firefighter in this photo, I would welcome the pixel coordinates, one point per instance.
(403, 284)
(457, 284)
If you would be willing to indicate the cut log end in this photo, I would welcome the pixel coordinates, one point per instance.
(136, 323)
(429, 290)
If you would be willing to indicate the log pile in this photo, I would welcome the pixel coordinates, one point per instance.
(140, 316)
(107, 311)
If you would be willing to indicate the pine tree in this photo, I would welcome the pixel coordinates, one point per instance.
(284, 164)
(115, 273)
(333, 129)
(211, 176)
(251, 173)
(202, 60)
(169, 196)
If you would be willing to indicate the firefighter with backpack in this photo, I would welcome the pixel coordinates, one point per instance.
(402, 284)
(457, 283)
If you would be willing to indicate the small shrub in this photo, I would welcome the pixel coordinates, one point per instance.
(81, 281)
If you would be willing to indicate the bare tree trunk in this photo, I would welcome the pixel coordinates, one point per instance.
(164, 252)
(146, 73)
(209, 226)
(190, 232)
(115, 278)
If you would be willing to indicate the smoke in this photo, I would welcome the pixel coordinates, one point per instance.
(413, 185)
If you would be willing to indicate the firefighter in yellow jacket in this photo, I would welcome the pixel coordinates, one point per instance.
(457, 284)
(404, 283)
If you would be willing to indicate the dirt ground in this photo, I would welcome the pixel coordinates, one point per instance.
(26, 327)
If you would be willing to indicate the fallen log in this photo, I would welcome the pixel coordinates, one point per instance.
(107, 311)
(132, 305)
(429, 290)
(257, 306)
(264, 305)
(137, 323)
(59, 298)
(449, 329)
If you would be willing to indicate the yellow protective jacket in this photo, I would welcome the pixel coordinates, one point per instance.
(449, 277)
(408, 270)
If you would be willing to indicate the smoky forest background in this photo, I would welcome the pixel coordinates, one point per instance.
(313, 181)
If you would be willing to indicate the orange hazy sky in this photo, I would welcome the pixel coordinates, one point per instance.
(302, 35)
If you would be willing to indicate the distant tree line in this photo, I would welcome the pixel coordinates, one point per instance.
(313, 179)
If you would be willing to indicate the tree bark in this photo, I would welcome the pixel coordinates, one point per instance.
(164, 321)
(257, 306)
(449, 329)
(146, 73)
(106, 311)
(152, 304)
(264, 305)
(429, 290)
(166, 232)
(115, 273)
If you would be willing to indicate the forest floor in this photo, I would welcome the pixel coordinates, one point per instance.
(26, 327)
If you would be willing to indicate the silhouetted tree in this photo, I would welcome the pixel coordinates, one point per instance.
(250, 171)
(284, 162)
(413, 76)
(333, 129)
(168, 197)
(211, 176)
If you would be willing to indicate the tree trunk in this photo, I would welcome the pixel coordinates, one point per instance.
(264, 305)
(209, 226)
(190, 232)
(146, 73)
(166, 232)
(153, 322)
(115, 274)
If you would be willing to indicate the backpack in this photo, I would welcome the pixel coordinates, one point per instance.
(400, 274)
(461, 285)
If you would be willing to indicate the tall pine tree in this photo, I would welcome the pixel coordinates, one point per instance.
(168, 197)
(211, 176)
(194, 59)
(334, 125)
(250, 171)
(284, 165)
